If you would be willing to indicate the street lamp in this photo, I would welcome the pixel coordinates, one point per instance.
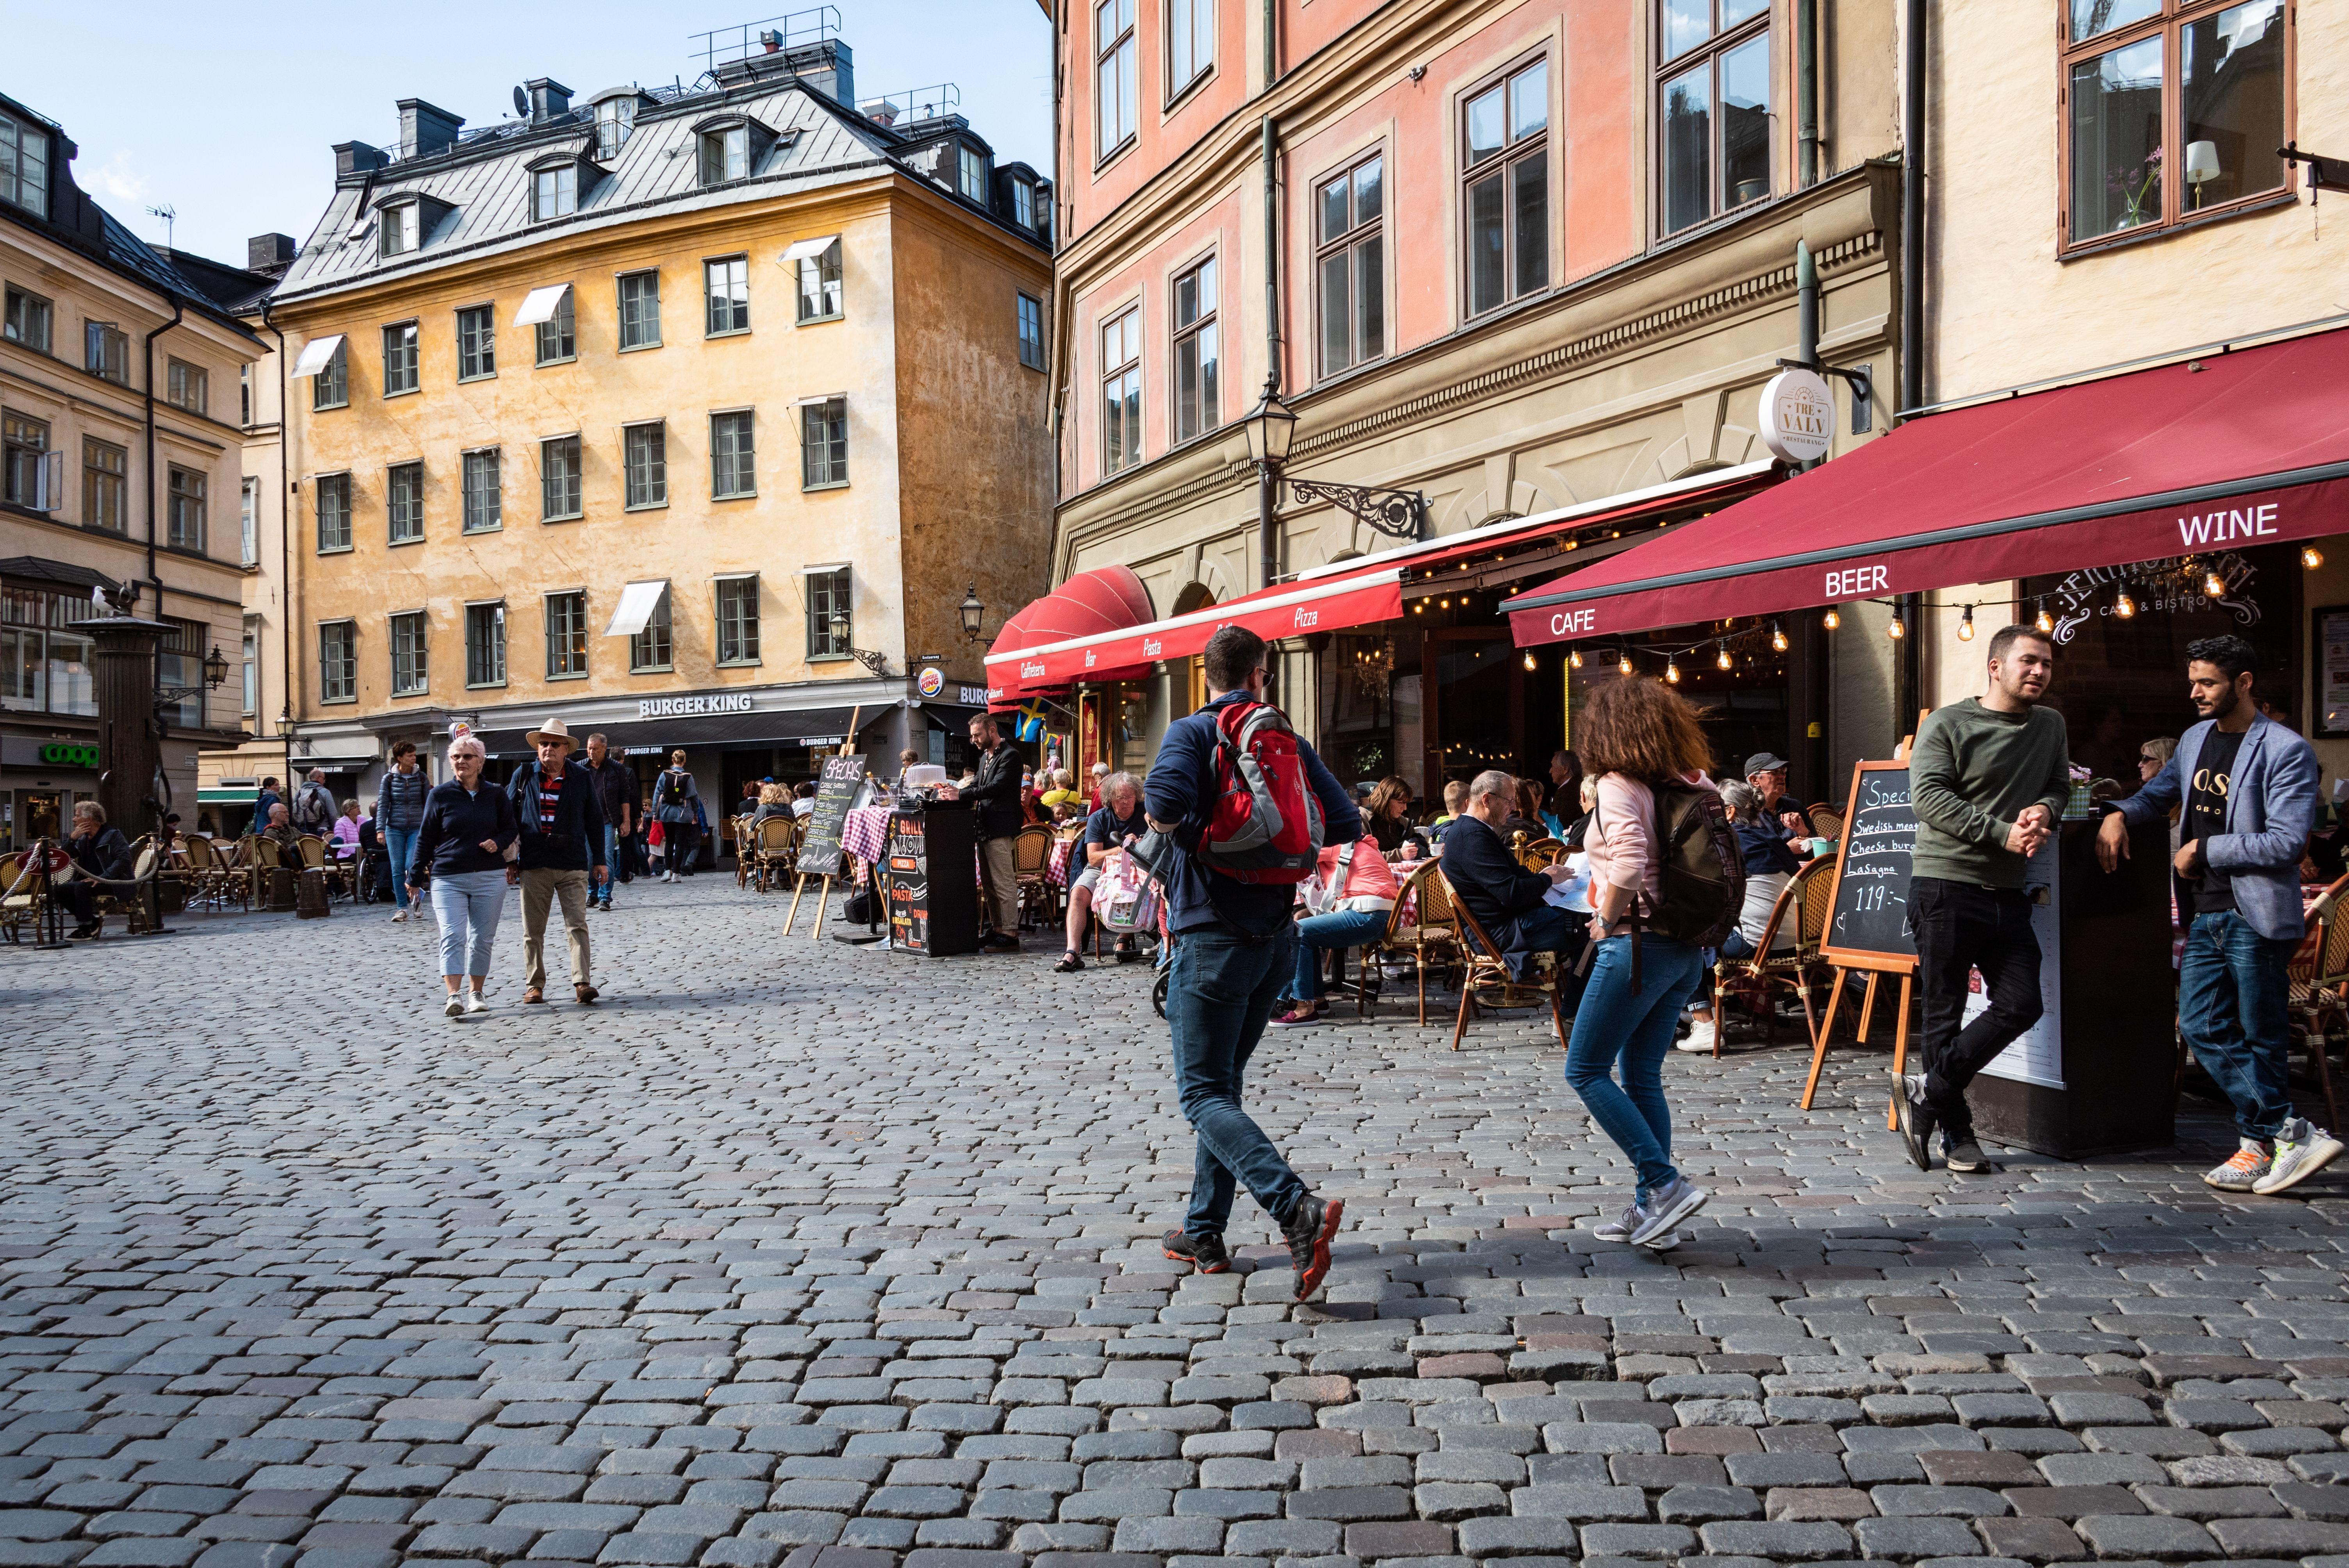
(973, 614)
(1271, 429)
(878, 664)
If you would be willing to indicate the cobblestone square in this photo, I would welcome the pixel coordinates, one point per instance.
(797, 1252)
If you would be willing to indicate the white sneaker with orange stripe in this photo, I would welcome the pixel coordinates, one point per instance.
(2249, 1163)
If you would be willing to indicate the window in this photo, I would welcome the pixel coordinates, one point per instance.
(486, 644)
(403, 502)
(402, 229)
(24, 463)
(105, 351)
(1121, 391)
(331, 388)
(106, 484)
(649, 649)
(1197, 404)
(185, 520)
(734, 456)
(823, 444)
(1117, 81)
(1349, 276)
(831, 628)
(248, 530)
(410, 670)
(566, 636)
(24, 165)
(1190, 43)
(644, 454)
(724, 154)
(334, 512)
(558, 338)
(476, 344)
(399, 360)
(338, 661)
(1031, 332)
(26, 320)
(485, 497)
(244, 394)
(250, 666)
(640, 310)
(1714, 114)
(738, 620)
(820, 285)
(1506, 197)
(45, 664)
(2145, 79)
(970, 173)
(186, 385)
(558, 479)
(1023, 203)
(615, 120)
(726, 288)
(179, 662)
(553, 192)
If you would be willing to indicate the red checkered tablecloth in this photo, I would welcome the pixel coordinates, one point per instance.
(1057, 872)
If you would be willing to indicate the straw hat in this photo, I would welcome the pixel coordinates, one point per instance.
(552, 730)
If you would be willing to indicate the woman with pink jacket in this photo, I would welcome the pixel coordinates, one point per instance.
(1352, 890)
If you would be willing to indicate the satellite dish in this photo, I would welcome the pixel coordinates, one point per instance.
(522, 103)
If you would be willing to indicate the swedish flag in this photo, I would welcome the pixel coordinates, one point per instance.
(1028, 719)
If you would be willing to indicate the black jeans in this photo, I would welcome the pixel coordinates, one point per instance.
(1961, 927)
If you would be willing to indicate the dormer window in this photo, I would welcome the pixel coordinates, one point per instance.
(970, 174)
(1023, 203)
(553, 192)
(24, 165)
(725, 155)
(402, 229)
(616, 119)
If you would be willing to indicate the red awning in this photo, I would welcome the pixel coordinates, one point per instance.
(2235, 448)
(1325, 599)
(1106, 599)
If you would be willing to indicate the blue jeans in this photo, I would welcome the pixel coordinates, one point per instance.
(1218, 1000)
(468, 905)
(1613, 1024)
(401, 844)
(612, 873)
(2231, 991)
(1342, 928)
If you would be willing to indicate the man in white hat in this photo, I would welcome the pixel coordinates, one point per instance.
(562, 839)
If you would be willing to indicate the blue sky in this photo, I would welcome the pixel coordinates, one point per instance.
(227, 113)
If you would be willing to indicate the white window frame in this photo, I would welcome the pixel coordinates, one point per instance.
(572, 637)
(1116, 79)
(496, 622)
(482, 508)
(420, 669)
(726, 288)
(553, 192)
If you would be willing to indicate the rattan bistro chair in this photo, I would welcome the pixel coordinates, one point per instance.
(1031, 855)
(774, 851)
(2319, 994)
(211, 879)
(1541, 854)
(1802, 910)
(1485, 980)
(1408, 937)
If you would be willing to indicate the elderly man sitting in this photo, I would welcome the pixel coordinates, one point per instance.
(280, 830)
(1116, 826)
(1507, 900)
(97, 850)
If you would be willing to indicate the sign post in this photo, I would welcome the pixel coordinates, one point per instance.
(1869, 929)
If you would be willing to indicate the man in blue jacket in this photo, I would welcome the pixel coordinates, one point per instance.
(562, 837)
(1235, 947)
(2248, 788)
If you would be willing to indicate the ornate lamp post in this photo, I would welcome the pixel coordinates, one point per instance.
(1271, 429)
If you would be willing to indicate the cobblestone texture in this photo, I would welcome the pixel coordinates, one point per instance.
(804, 1255)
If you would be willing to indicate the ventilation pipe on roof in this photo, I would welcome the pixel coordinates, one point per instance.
(425, 129)
(549, 99)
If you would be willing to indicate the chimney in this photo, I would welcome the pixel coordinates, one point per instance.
(548, 98)
(882, 113)
(825, 65)
(268, 252)
(425, 130)
(356, 157)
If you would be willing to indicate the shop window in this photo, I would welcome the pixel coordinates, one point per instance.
(486, 644)
(738, 620)
(105, 484)
(566, 636)
(1116, 76)
(1197, 406)
(831, 619)
(338, 661)
(645, 452)
(1120, 355)
(403, 503)
(734, 456)
(559, 479)
(2173, 112)
(334, 509)
(1350, 274)
(1712, 108)
(484, 498)
(640, 310)
(411, 673)
(45, 663)
(184, 519)
(823, 444)
(399, 360)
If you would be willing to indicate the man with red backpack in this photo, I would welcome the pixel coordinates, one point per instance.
(1245, 807)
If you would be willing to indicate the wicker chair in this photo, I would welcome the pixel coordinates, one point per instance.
(1803, 904)
(1485, 970)
(1407, 936)
(24, 901)
(773, 852)
(1032, 856)
(210, 879)
(1541, 854)
(2319, 993)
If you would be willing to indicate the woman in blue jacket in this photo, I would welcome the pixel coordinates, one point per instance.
(469, 825)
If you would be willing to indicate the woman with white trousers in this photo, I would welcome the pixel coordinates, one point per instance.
(469, 825)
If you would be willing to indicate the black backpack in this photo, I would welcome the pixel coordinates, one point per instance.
(1700, 871)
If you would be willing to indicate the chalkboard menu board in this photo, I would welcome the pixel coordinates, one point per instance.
(835, 792)
(1870, 928)
(933, 886)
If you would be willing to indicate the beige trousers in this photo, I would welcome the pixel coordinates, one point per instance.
(539, 888)
(999, 860)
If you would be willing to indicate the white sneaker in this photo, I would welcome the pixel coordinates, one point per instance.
(1665, 1209)
(2244, 1172)
(2301, 1150)
(1620, 1229)
(476, 1002)
(399, 917)
(456, 1006)
(1700, 1037)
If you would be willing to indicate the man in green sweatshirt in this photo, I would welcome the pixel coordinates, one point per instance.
(1989, 778)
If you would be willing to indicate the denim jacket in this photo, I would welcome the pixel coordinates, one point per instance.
(2269, 807)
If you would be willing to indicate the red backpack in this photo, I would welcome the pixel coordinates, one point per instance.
(1266, 826)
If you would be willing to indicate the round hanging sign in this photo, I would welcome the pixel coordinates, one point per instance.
(1797, 415)
(931, 682)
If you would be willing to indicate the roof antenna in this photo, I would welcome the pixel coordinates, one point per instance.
(167, 212)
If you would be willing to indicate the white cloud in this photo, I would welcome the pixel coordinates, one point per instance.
(119, 186)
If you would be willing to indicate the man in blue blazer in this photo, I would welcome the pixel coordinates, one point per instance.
(2247, 788)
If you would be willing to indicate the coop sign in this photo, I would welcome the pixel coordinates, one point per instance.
(58, 754)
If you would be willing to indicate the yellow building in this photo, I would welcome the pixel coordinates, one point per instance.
(120, 371)
(688, 416)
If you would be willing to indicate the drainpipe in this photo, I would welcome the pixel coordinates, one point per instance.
(1271, 43)
(1908, 686)
(1271, 253)
(1806, 305)
(284, 553)
(1807, 88)
(148, 350)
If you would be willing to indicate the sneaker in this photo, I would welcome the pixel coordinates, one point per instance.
(1308, 1234)
(455, 1008)
(1961, 1154)
(1666, 1207)
(400, 918)
(1700, 1037)
(1295, 1013)
(1915, 1117)
(476, 1002)
(2301, 1150)
(2241, 1173)
(1207, 1253)
(1619, 1230)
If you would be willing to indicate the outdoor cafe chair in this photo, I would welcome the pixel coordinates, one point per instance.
(1802, 910)
(1410, 936)
(210, 879)
(774, 850)
(1032, 854)
(2318, 991)
(1541, 854)
(1486, 981)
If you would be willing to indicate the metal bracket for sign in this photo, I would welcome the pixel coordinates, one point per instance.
(1863, 408)
(2323, 173)
(1398, 514)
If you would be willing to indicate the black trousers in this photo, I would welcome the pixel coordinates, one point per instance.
(1961, 927)
(79, 897)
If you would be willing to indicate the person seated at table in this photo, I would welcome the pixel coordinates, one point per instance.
(1352, 891)
(1386, 814)
(1455, 800)
(1526, 814)
(907, 760)
(1771, 864)
(1506, 898)
(1767, 772)
(1063, 790)
(1586, 799)
(774, 800)
(97, 850)
(166, 837)
(279, 830)
(1118, 825)
(803, 799)
(343, 837)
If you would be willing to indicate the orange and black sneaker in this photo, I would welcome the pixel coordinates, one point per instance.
(1308, 1233)
(1206, 1254)
(2250, 1162)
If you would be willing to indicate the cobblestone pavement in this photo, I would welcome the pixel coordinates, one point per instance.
(794, 1252)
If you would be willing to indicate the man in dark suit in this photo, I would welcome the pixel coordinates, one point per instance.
(1505, 898)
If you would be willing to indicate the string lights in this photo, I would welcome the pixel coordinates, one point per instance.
(1724, 661)
(1574, 657)
(1831, 620)
(1529, 660)
(2044, 621)
(1895, 629)
(2310, 557)
(1966, 626)
(1777, 639)
(2123, 605)
(1672, 671)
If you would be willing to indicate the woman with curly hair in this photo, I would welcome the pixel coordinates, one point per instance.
(1635, 735)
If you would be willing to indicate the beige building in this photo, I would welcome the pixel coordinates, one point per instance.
(690, 416)
(119, 373)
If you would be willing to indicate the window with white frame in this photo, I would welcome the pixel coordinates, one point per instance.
(1190, 43)
(734, 455)
(554, 192)
(566, 635)
(1198, 400)
(481, 478)
(402, 229)
(1116, 76)
(403, 502)
(615, 121)
(640, 310)
(823, 444)
(820, 298)
(486, 644)
(1350, 273)
(1121, 358)
(1023, 203)
(250, 666)
(338, 661)
(186, 385)
(649, 649)
(24, 463)
(185, 521)
(411, 672)
(559, 479)
(399, 360)
(738, 620)
(726, 288)
(334, 509)
(105, 487)
(1506, 186)
(477, 343)
(644, 457)
(1031, 332)
(558, 338)
(24, 165)
(28, 320)
(248, 552)
(970, 173)
(830, 621)
(105, 351)
(724, 154)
